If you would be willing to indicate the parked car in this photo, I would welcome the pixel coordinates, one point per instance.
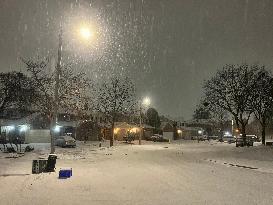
(254, 138)
(158, 138)
(227, 138)
(65, 141)
(240, 142)
(155, 137)
(214, 137)
(203, 137)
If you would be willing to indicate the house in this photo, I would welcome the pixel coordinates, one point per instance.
(122, 129)
(189, 133)
(23, 130)
(91, 127)
(208, 125)
(148, 131)
(167, 130)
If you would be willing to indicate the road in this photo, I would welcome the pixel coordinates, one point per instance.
(153, 173)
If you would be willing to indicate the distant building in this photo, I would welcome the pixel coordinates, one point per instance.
(167, 130)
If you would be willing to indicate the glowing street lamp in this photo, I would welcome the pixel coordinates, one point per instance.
(146, 101)
(85, 32)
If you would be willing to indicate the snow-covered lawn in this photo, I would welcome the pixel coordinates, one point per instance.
(183, 172)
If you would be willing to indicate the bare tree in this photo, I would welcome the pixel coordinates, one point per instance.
(116, 96)
(232, 90)
(16, 90)
(201, 112)
(263, 99)
(73, 86)
(72, 92)
(217, 115)
(220, 116)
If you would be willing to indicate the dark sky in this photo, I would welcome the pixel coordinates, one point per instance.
(169, 47)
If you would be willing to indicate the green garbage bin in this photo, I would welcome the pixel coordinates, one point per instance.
(39, 166)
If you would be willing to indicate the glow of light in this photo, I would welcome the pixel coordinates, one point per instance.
(23, 128)
(116, 130)
(227, 133)
(10, 128)
(179, 131)
(85, 33)
(146, 101)
(133, 130)
(57, 128)
(200, 132)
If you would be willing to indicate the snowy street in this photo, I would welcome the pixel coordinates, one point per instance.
(153, 173)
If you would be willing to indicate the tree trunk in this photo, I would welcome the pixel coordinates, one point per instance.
(237, 123)
(263, 134)
(243, 132)
(112, 134)
(52, 141)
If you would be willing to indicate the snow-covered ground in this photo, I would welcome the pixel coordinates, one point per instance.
(183, 172)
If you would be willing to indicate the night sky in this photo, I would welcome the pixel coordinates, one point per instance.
(169, 47)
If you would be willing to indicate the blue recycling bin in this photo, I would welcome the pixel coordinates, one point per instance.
(65, 173)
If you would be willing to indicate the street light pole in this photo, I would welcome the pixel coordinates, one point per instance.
(56, 90)
(86, 34)
(232, 123)
(140, 125)
(145, 102)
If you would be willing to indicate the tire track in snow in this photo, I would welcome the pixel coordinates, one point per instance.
(228, 164)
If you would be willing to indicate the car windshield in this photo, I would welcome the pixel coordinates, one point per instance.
(137, 101)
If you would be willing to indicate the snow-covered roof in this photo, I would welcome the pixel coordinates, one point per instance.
(191, 128)
(124, 125)
(21, 121)
(164, 124)
(145, 126)
(68, 123)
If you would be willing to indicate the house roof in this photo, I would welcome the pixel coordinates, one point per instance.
(68, 123)
(124, 125)
(21, 121)
(145, 126)
(192, 128)
(200, 121)
(164, 124)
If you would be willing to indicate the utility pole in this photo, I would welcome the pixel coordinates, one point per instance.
(140, 125)
(56, 91)
(146, 103)
(232, 123)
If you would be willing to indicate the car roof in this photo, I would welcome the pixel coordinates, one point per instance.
(67, 137)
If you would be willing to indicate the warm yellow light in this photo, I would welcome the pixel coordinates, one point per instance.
(85, 33)
(133, 130)
(179, 131)
(116, 130)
